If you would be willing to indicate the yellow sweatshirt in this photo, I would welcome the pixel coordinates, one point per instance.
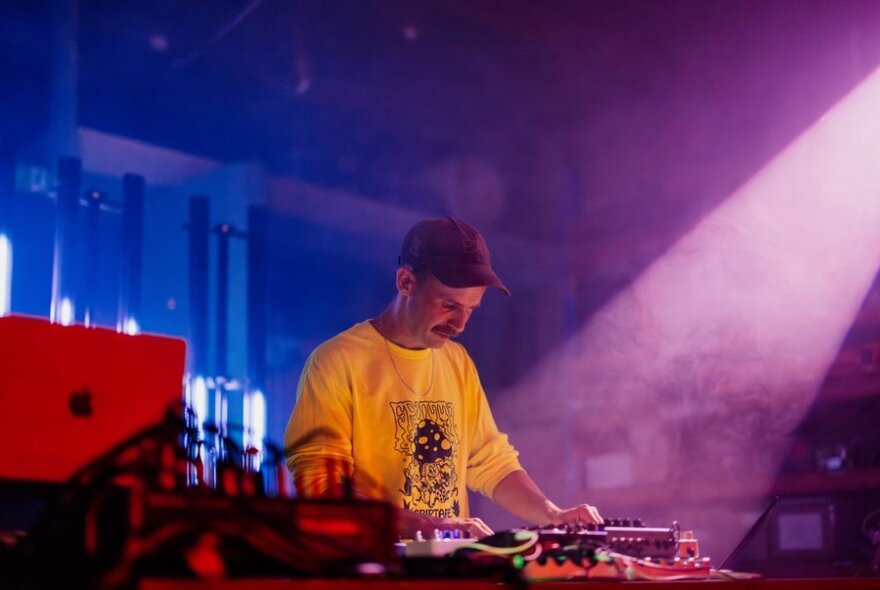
(408, 426)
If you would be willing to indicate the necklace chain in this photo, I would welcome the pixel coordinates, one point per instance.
(397, 370)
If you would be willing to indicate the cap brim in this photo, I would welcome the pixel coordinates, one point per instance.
(461, 276)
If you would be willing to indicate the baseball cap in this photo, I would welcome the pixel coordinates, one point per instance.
(453, 251)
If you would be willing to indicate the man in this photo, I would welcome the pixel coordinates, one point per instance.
(394, 409)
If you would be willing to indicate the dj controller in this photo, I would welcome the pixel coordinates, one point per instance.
(620, 549)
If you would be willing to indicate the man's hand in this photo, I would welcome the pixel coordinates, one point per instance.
(581, 514)
(522, 497)
(469, 527)
(409, 523)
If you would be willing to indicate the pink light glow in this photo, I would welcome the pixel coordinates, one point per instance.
(692, 377)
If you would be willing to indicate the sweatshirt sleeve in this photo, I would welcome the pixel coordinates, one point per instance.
(492, 457)
(317, 441)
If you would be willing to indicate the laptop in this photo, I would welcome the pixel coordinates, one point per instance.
(69, 394)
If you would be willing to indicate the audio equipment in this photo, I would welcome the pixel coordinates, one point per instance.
(620, 549)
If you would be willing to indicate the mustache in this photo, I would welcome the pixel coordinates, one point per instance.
(447, 331)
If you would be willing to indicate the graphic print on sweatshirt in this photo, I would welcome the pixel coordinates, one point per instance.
(425, 434)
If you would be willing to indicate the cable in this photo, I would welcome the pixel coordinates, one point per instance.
(502, 551)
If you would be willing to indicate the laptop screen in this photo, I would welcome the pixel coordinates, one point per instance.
(69, 394)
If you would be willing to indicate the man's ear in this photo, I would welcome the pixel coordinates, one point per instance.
(406, 281)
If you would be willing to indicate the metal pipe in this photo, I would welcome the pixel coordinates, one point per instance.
(257, 294)
(198, 227)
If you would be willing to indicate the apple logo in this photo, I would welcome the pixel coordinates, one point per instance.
(81, 403)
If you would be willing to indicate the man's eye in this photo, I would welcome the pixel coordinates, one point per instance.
(449, 305)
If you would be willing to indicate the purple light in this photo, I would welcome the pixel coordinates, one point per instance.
(694, 375)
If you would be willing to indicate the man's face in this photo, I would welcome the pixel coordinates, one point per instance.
(435, 313)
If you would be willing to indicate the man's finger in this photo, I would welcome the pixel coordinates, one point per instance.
(592, 515)
(583, 514)
(479, 528)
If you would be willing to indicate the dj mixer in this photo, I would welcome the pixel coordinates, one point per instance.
(620, 549)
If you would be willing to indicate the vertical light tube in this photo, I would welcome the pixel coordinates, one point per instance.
(7, 195)
(254, 419)
(224, 231)
(198, 227)
(257, 295)
(254, 429)
(198, 400)
(257, 305)
(133, 191)
(5, 275)
(95, 200)
(64, 268)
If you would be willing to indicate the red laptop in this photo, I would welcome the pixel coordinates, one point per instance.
(68, 394)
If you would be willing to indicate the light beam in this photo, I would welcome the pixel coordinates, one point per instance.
(690, 380)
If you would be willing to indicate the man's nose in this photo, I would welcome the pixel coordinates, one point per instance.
(459, 319)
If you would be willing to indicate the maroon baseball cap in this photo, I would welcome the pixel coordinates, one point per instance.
(453, 251)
